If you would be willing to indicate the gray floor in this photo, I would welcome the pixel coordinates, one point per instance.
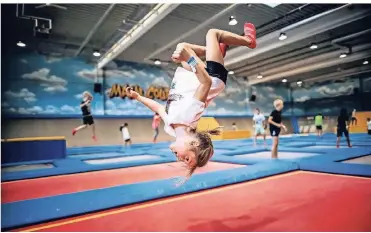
(26, 167)
(281, 155)
(361, 160)
(121, 159)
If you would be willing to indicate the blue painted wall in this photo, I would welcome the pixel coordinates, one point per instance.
(35, 85)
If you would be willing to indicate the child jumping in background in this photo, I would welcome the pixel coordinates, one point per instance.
(318, 121)
(368, 126)
(193, 87)
(125, 134)
(155, 126)
(87, 118)
(275, 125)
(342, 127)
(259, 124)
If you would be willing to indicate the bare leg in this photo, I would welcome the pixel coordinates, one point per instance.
(274, 147)
(74, 131)
(215, 36)
(265, 142)
(80, 127)
(93, 129)
(338, 142)
(348, 141)
(255, 138)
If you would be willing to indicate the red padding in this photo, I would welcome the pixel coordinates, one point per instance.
(50, 186)
(302, 201)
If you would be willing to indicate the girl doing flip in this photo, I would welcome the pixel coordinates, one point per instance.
(193, 87)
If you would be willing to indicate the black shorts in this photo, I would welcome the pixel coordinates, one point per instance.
(369, 132)
(87, 120)
(342, 131)
(319, 127)
(128, 140)
(217, 70)
(275, 132)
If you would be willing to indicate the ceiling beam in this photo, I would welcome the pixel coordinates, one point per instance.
(144, 25)
(191, 32)
(94, 29)
(339, 75)
(305, 68)
(311, 60)
(302, 30)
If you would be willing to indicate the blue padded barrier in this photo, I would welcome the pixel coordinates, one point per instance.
(26, 163)
(337, 168)
(31, 149)
(22, 213)
(76, 166)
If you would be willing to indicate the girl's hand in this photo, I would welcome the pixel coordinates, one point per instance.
(131, 93)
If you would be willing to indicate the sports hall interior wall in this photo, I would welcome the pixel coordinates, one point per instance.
(41, 97)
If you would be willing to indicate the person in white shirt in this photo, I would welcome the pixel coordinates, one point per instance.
(194, 86)
(259, 124)
(368, 126)
(234, 126)
(125, 134)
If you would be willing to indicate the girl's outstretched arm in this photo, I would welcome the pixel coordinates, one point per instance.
(151, 104)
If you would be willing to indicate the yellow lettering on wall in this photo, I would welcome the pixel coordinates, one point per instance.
(160, 93)
(115, 91)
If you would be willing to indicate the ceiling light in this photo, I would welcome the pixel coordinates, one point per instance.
(282, 36)
(365, 62)
(313, 46)
(96, 54)
(284, 80)
(232, 21)
(259, 76)
(299, 82)
(157, 62)
(21, 44)
(343, 55)
(231, 72)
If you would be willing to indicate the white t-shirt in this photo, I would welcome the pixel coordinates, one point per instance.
(259, 119)
(369, 125)
(125, 133)
(182, 107)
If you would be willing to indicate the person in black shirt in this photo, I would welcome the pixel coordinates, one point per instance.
(87, 118)
(275, 125)
(342, 127)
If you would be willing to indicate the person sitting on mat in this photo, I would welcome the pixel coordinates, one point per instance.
(125, 134)
(259, 125)
(318, 119)
(193, 87)
(368, 126)
(87, 118)
(275, 125)
(343, 127)
(155, 126)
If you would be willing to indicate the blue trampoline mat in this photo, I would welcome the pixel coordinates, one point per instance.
(121, 159)
(281, 155)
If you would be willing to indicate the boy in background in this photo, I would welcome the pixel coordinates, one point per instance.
(318, 121)
(275, 125)
(125, 134)
(368, 126)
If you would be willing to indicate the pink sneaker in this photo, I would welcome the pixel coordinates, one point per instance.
(95, 138)
(250, 32)
(74, 132)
